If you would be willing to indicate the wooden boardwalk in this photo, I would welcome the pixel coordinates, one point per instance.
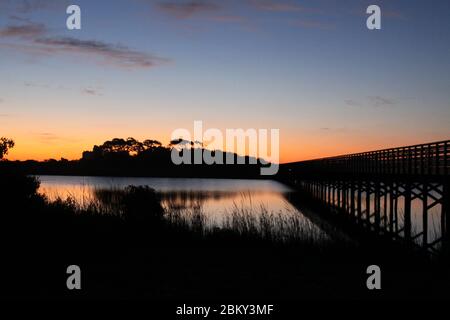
(400, 192)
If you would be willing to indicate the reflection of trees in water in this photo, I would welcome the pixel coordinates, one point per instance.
(246, 217)
(171, 200)
(192, 199)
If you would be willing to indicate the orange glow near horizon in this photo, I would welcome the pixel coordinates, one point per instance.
(51, 147)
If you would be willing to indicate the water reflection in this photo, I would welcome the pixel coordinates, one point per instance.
(215, 196)
(218, 198)
(224, 202)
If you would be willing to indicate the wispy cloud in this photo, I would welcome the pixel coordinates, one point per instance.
(26, 31)
(49, 137)
(87, 90)
(352, 103)
(91, 91)
(372, 102)
(35, 85)
(278, 6)
(46, 136)
(117, 54)
(30, 6)
(333, 130)
(186, 9)
(378, 101)
(37, 41)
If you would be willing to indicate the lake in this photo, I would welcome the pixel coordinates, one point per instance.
(215, 197)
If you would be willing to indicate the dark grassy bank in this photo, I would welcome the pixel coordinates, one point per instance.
(129, 246)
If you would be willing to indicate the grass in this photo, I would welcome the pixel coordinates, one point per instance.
(159, 212)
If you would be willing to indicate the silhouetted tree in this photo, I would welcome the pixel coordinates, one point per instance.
(134, 146)
(182, 143)
(151, 144)
(5, 145)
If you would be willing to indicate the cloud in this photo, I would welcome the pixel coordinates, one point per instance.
(91, 91)
(378, 101)
(35, 85)
(31, 6)
(27, 31)
(117, 54)
(334, 130)
(48, 137)
(186, 9)
(37, 42)
(352, 103)
(372, 102)
(278, 6)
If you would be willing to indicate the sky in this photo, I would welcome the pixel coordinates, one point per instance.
(143, 68)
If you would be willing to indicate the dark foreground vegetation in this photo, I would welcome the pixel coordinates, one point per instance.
(129, 246)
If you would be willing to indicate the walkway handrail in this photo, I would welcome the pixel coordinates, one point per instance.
(431, 159)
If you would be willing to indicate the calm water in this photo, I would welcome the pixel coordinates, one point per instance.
(216, 197)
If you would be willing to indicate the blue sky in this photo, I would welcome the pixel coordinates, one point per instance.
(143, 68)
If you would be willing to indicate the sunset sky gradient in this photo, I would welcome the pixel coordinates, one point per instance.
(141, 68)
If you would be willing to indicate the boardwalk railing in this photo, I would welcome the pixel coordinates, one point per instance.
(402, 192)
(430, 159)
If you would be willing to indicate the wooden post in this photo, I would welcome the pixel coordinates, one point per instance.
(377, 205)
(334, 196)
(407, 223)
(344, 196)
(358, 205)
(425, 215)
(391, 207)
(368, 187)
(352, 198)
(338, 187)
(396, 207)
(329, 192)
(385, 214)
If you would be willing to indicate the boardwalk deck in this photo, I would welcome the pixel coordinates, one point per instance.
(385, 190)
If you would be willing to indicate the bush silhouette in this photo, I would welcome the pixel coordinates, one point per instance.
(5, 145)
